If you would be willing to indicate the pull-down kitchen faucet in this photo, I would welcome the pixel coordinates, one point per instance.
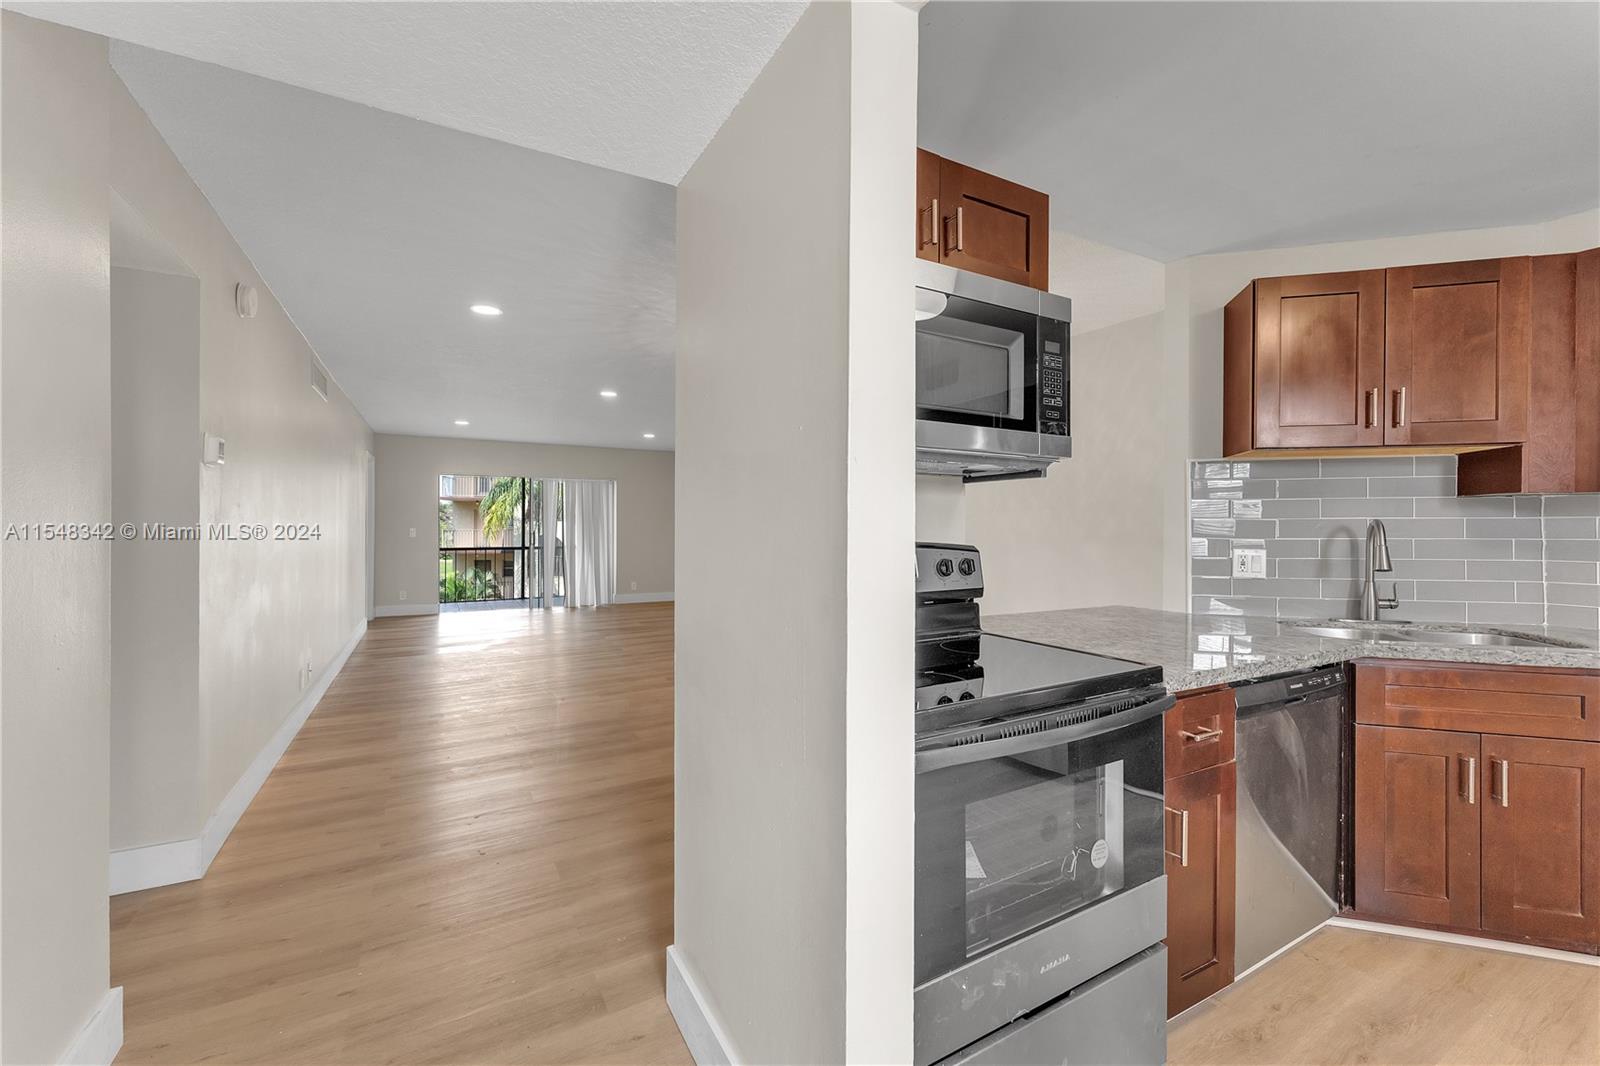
(1377, 562)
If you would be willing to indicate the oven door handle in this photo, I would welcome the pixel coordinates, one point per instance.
(962, 754)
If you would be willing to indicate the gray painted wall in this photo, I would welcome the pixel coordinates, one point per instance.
(1524, 560)
(408, 498)
(55, 596)
(155, 584)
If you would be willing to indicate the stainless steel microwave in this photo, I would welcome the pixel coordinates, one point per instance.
(993, 395)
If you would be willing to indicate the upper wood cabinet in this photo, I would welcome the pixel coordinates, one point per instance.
(1318, 359)
(1495, 359)
(1456, 352)
(980, 222)
(1562, 449)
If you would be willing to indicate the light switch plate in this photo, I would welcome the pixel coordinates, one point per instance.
(1249, 562)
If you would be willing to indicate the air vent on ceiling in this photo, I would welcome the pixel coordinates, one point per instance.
(319, 379)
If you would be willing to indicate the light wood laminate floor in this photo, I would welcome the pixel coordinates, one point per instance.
(1350, 996)
(465, 856)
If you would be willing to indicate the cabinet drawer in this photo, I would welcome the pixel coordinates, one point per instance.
(1199, 731)
(1520, 701)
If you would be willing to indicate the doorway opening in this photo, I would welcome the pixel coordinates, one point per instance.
(487, 540)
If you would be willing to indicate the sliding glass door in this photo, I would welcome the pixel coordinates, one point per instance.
(486, 533)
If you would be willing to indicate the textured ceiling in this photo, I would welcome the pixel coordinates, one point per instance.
(1176, 129)
(377, 232)
(635, 87)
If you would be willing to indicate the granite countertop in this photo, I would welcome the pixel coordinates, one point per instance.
(1195, 651)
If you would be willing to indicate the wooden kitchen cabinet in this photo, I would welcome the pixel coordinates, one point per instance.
(1561, 452)
(979, 222)
(1201, 807)
(1496, 361)
(1416, 814)
(1318, 359)
(1477, 800)
(1456, 339)
(1541, 839)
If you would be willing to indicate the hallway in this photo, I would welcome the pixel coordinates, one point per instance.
(465, 856)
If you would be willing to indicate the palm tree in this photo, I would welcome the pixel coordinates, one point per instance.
(501, 506)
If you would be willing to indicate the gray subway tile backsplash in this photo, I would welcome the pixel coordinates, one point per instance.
(1523, 560)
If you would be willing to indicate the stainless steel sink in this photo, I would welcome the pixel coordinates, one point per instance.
(1380, 636)
(1402, 634)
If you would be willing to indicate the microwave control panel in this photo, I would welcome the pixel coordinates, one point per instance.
(1053, 377)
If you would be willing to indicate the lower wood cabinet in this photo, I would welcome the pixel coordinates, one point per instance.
(1541, 839)
(1200, 865)
(1479, 831)
(1417, 825)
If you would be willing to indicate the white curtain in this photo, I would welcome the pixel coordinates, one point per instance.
(591, 547)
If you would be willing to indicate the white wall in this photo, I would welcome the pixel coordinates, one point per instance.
(55, 466)
(408, 498)
(1089, 533)
(155, 584)
(1197, 289)
(266, 608)
(794, 786)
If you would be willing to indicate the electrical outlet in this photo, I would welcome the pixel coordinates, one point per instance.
(1249, 562)
(633, 586)
(402, 594)
(413, 532)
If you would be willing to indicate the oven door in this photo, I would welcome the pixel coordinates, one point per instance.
(1039, 858)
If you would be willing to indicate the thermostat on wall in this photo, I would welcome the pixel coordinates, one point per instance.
(216, 450)
(245, 300)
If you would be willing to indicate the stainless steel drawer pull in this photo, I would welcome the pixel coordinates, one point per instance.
(1400, 406)
(1500, 785)
(1469, 771)
(1182, 854)
(1372, 408)
(1199, 736)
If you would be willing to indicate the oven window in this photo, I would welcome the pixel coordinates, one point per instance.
(1009, 844)
(1040, 849)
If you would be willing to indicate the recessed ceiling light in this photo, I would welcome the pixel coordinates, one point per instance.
(649, 436)
(485, 309)
(462, 422)
(609, 394)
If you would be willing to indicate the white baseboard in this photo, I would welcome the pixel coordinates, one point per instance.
(702, 1030)
(397, 610)
(1465, 940)
(642, 597)
(133, 869)
(98, 1042)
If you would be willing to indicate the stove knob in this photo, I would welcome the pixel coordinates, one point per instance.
(967, 567)
(945, 567)
(944, 700)
(967, 696)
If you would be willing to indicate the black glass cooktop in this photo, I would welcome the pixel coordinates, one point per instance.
(985, 672)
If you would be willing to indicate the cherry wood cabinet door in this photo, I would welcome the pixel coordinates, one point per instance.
(1541, 839)
(1201, 809)
(928, 227)
(1457, 343)
(993, 226)
(1417, 802)
(1319, 360)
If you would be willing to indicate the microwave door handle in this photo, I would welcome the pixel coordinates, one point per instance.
(964, 754)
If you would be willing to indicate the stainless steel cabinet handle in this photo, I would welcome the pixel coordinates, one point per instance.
(1400, 406)
(1469, 770)
(1199, 736)
(931, 231)
(1500, 785)
(1372, 408)
(960, 245)
(1182, 854)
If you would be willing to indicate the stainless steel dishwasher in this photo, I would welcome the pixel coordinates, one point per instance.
(1294, 751)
